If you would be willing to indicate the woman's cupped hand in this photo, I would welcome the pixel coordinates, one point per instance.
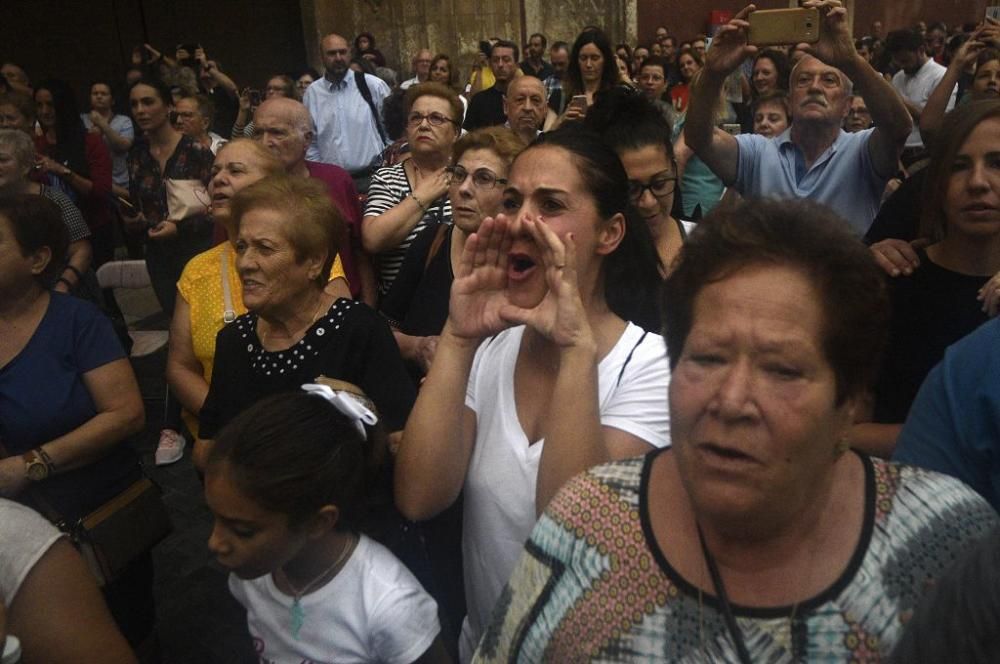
(479, 304)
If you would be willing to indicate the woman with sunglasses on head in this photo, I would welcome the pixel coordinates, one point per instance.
(405, 198)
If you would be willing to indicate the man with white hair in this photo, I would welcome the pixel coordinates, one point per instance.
(284, 127)
(525, 105)
(815, 158)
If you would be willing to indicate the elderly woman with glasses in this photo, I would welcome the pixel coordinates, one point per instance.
(417, 303)
(405, 198)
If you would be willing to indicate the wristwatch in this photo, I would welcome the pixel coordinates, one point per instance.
(37, 465)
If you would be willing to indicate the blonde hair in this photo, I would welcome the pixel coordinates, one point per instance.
(313, 224)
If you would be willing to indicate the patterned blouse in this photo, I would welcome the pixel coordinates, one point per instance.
(592, 584)
(190, 161)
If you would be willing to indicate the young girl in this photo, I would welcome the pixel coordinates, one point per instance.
(285, 481)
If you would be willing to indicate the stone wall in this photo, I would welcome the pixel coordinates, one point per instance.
(455, 27)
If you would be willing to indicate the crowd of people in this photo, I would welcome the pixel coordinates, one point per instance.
(676, 351)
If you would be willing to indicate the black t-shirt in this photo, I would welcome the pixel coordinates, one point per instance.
(227, 106)
(350, 343)
(417, 303)
(899, 216)
(931, 309)
(485, 110)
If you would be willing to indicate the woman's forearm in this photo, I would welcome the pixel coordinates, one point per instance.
(437, 442)
(937, 103)
(188, 385)
(387, 230)
(120, 413)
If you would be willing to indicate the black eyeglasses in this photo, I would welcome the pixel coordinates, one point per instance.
(659, 186)
(434, 119)
(483, 178)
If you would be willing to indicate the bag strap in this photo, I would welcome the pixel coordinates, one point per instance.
(629, 358)
(228, 313)
(366, 94)
(439, 236)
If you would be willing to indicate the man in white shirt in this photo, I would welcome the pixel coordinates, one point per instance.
(349, 130)
(917, 77)
(421, 68)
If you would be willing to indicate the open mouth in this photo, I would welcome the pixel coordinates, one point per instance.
(519, 267)
(725, 455)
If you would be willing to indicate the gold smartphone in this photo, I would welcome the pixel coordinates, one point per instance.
(784, 26)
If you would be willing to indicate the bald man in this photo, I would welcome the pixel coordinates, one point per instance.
(346, 111)
(421, 68)
(525, 106)
(285, 127)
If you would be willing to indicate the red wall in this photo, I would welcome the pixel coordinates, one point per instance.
(686, 18)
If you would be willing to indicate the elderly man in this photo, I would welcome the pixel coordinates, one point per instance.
(285, 128)
(815, 158)
(346, 109)
(421, 68)
(525, 107)
(194, 117)
(486, 107)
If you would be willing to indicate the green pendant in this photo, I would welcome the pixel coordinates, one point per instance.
(298, 618)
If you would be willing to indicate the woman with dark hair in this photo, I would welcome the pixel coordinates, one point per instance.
(638, 132)
(624, 52)
(68, 396)
(538, 373)
(770, 72)
(689, 63)
(759, 535)
(592, 69)
(364, 47)
(160, 154)
(942, 299)
(306, 78)
(77, 161)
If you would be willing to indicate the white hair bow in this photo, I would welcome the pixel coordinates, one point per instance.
(347, 404)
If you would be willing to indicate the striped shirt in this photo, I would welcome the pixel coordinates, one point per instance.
(389, 188)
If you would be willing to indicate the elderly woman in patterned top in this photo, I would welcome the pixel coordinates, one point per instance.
(760, 535)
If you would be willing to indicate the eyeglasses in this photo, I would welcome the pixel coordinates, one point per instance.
(434, 119)
(659, 186)
(483, 178)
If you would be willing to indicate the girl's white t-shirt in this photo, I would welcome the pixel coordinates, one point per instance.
(374, 610)
(499, 490)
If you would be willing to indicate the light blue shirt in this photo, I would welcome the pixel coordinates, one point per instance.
(843, 177)
(346, 133)
(123, 126)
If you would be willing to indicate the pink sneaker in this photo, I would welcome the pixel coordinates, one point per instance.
(170, 448)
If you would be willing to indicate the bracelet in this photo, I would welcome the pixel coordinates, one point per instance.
(63, 280)
(74, 271)
(46, 458)
(419, 204)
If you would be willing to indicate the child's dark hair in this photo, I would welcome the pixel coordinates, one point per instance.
(295, 452)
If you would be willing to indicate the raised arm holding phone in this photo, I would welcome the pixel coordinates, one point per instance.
(852, 177)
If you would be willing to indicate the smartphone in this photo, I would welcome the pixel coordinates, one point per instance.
(254, 97)
(784, 26)
(125, 202)
(579, 101)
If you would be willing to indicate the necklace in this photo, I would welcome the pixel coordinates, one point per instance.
(798, 631)
(265, 335)
(297, 613)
